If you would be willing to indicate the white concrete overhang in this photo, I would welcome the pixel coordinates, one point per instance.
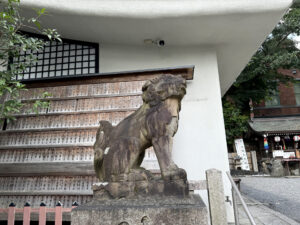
(235, 28)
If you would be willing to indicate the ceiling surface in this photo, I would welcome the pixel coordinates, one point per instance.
(235, 28)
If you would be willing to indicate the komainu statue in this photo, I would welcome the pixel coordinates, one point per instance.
(119, 150)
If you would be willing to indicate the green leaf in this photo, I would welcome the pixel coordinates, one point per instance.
(12, 43)
(42, 11)
(37, 24)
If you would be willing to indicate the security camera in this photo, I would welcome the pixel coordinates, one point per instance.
(160, 43)
(157, 42)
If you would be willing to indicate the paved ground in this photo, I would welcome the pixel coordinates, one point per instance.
(262, 214)
(280, 194)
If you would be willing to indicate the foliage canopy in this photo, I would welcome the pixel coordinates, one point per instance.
(260, 77)
(12, 43)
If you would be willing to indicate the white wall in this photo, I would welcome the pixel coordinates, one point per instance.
(200, 142)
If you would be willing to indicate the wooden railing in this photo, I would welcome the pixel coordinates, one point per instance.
(41, 211)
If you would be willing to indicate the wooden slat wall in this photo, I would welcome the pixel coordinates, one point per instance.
(42, 155)
(49, 156)
(86, 90)
(73, 106)
(29, 139)
(90, 120)
(50, 184)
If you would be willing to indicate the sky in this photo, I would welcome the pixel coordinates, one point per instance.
(297, 39)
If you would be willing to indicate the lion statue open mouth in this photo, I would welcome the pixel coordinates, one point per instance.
(119, 150)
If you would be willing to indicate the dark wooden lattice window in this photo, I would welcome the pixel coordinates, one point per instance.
(297, 92)
(61, 59)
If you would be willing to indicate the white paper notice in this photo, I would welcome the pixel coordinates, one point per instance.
(241, 151)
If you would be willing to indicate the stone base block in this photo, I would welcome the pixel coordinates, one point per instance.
(152, 210)
(130, 189)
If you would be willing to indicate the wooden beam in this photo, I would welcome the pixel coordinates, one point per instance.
(84, 97)
(47, 169)
(45, 146)
(74, 113)
(46, 193)
(187, 72)
(49, 129)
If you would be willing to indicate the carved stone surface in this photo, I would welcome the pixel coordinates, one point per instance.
(277, 168)
(119, 150)
(153, 210)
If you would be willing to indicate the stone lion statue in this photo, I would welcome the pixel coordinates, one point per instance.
(119, 150)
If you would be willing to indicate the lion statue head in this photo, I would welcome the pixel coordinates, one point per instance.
(163, 87)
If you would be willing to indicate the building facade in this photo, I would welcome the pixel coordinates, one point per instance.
(276, 122)
(216, 37)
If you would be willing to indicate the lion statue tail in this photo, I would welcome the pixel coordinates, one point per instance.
(102, 142)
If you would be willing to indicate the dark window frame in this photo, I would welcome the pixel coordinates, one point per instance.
(274, 99)
(296, 93)
(88, 50)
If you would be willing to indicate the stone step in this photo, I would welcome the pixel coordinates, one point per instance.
(65, 121)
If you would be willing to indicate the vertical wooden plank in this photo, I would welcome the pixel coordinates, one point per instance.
(11, 214)
(58, 214)
(254, 161)
(26, 214)
(42, 214)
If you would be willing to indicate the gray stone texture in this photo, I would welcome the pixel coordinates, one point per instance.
(254, 161)
(262, 214)
(154, 210)
(278, 193)
(277, 168)
(119, 150)
(216, 197)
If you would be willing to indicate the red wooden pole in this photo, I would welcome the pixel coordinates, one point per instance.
(42, 214)
(11, 214)
(26, 214)
(58, 214)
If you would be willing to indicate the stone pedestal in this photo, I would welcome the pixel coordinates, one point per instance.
(151, 210)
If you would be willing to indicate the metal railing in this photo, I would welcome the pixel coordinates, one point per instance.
(236, 193)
